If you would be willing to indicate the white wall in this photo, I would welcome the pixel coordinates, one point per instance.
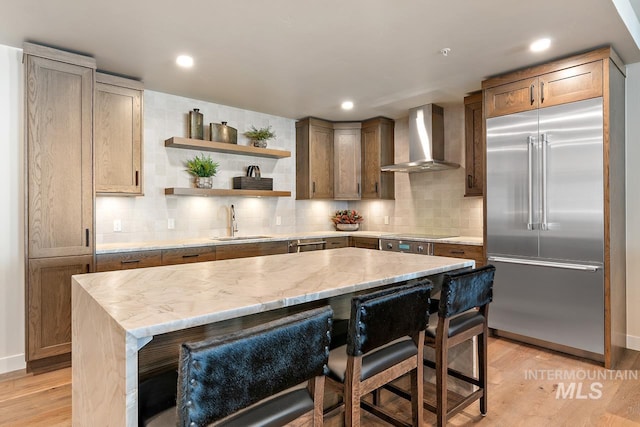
(11, 212)
(633, 205)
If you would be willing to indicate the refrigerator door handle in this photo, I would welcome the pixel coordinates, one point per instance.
(530, 146)
(565, 265)
(543, 205)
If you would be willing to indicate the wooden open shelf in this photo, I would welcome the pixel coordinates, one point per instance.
(221, 147)
(209, 192)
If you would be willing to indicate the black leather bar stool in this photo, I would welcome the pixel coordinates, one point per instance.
(463, 312)
(385, 340)
(254, 377)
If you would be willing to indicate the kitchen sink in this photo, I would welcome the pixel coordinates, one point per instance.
(227, 238)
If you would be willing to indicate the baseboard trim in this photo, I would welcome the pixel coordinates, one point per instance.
(633, 342)
(12, 363)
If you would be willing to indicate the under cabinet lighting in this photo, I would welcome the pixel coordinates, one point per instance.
(184, 61)
(540, 45)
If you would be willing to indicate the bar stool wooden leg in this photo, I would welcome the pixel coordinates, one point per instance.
(417, 384)
(482, 361)
(442, 353)
(352, 392)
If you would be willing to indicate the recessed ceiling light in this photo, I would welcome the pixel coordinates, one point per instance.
(347, 105)
(184, 61)
(540, 45)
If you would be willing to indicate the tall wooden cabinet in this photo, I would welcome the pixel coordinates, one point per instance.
(474, 145)
(377, 151)
(314, 159)
(346, 161)
(59, 194)
(118, 135)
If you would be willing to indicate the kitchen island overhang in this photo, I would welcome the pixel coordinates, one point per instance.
(115, 314)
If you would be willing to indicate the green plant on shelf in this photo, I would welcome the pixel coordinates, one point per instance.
(262, 134)
(202, 166)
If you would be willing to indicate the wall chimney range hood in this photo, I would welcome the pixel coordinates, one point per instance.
(426, 142)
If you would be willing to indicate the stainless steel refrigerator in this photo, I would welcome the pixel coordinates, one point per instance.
(545, 225)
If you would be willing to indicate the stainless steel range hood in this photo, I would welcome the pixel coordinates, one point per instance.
(426, 142)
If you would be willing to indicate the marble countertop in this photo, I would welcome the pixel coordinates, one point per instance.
(184, 243)
(149, 301)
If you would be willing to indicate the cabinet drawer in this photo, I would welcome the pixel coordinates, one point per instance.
(459, 251)
(187, 255)
(336, 242)
(126, 260)
(365, 242)
(244, 250)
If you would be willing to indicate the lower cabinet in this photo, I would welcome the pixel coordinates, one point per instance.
(459, 251)
(49, 305)
(245, 250)
(127, 260)
(365, 242)
(188, 255)
(336, 242)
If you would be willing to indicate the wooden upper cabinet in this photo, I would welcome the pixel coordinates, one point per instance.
(512, 98)
(560, 85)
(377, 150)
(571, 84)
(314, 159)
(59, 126)
(474, 145)
(118, 135)
(346, 163)
(49, 304)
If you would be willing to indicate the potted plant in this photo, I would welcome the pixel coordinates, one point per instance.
(347, 219)
(259, 137)
(202, 168)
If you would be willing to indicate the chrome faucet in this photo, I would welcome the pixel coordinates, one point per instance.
(234, 224)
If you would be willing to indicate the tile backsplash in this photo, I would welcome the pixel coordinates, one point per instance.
(425, 202)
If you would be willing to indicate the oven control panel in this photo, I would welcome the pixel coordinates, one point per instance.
(407, 246)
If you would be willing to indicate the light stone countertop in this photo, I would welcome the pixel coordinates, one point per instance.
(150, 301)
(110, 248)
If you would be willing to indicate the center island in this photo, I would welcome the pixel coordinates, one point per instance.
(128, 323)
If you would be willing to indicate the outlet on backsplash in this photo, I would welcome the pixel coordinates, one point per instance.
(171, 223)
(117, 225)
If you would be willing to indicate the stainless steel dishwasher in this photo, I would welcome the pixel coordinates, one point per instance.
(307, 245)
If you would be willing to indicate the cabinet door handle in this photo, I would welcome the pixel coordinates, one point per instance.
(531, 93)
(358, 189)
(457, 252)
(191, 256)
(469, 181)
(86, 236)
(137, 178)
(130, 261)
(376, 188)
(541, 92)
(313, 189)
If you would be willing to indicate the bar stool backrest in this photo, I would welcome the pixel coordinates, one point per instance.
(466, 290)
(218, 377)
(380, 317)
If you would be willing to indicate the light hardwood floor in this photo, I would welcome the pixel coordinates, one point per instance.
(514, 400)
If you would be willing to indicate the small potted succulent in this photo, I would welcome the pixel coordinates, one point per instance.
(202, 168)
(347, 219)
(259, 137)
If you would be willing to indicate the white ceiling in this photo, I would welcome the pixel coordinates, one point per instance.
(296, 58)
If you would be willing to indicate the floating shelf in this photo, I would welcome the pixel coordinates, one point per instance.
(208, 192)
(221, 147)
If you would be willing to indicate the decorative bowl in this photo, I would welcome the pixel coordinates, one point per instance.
(347, 227)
